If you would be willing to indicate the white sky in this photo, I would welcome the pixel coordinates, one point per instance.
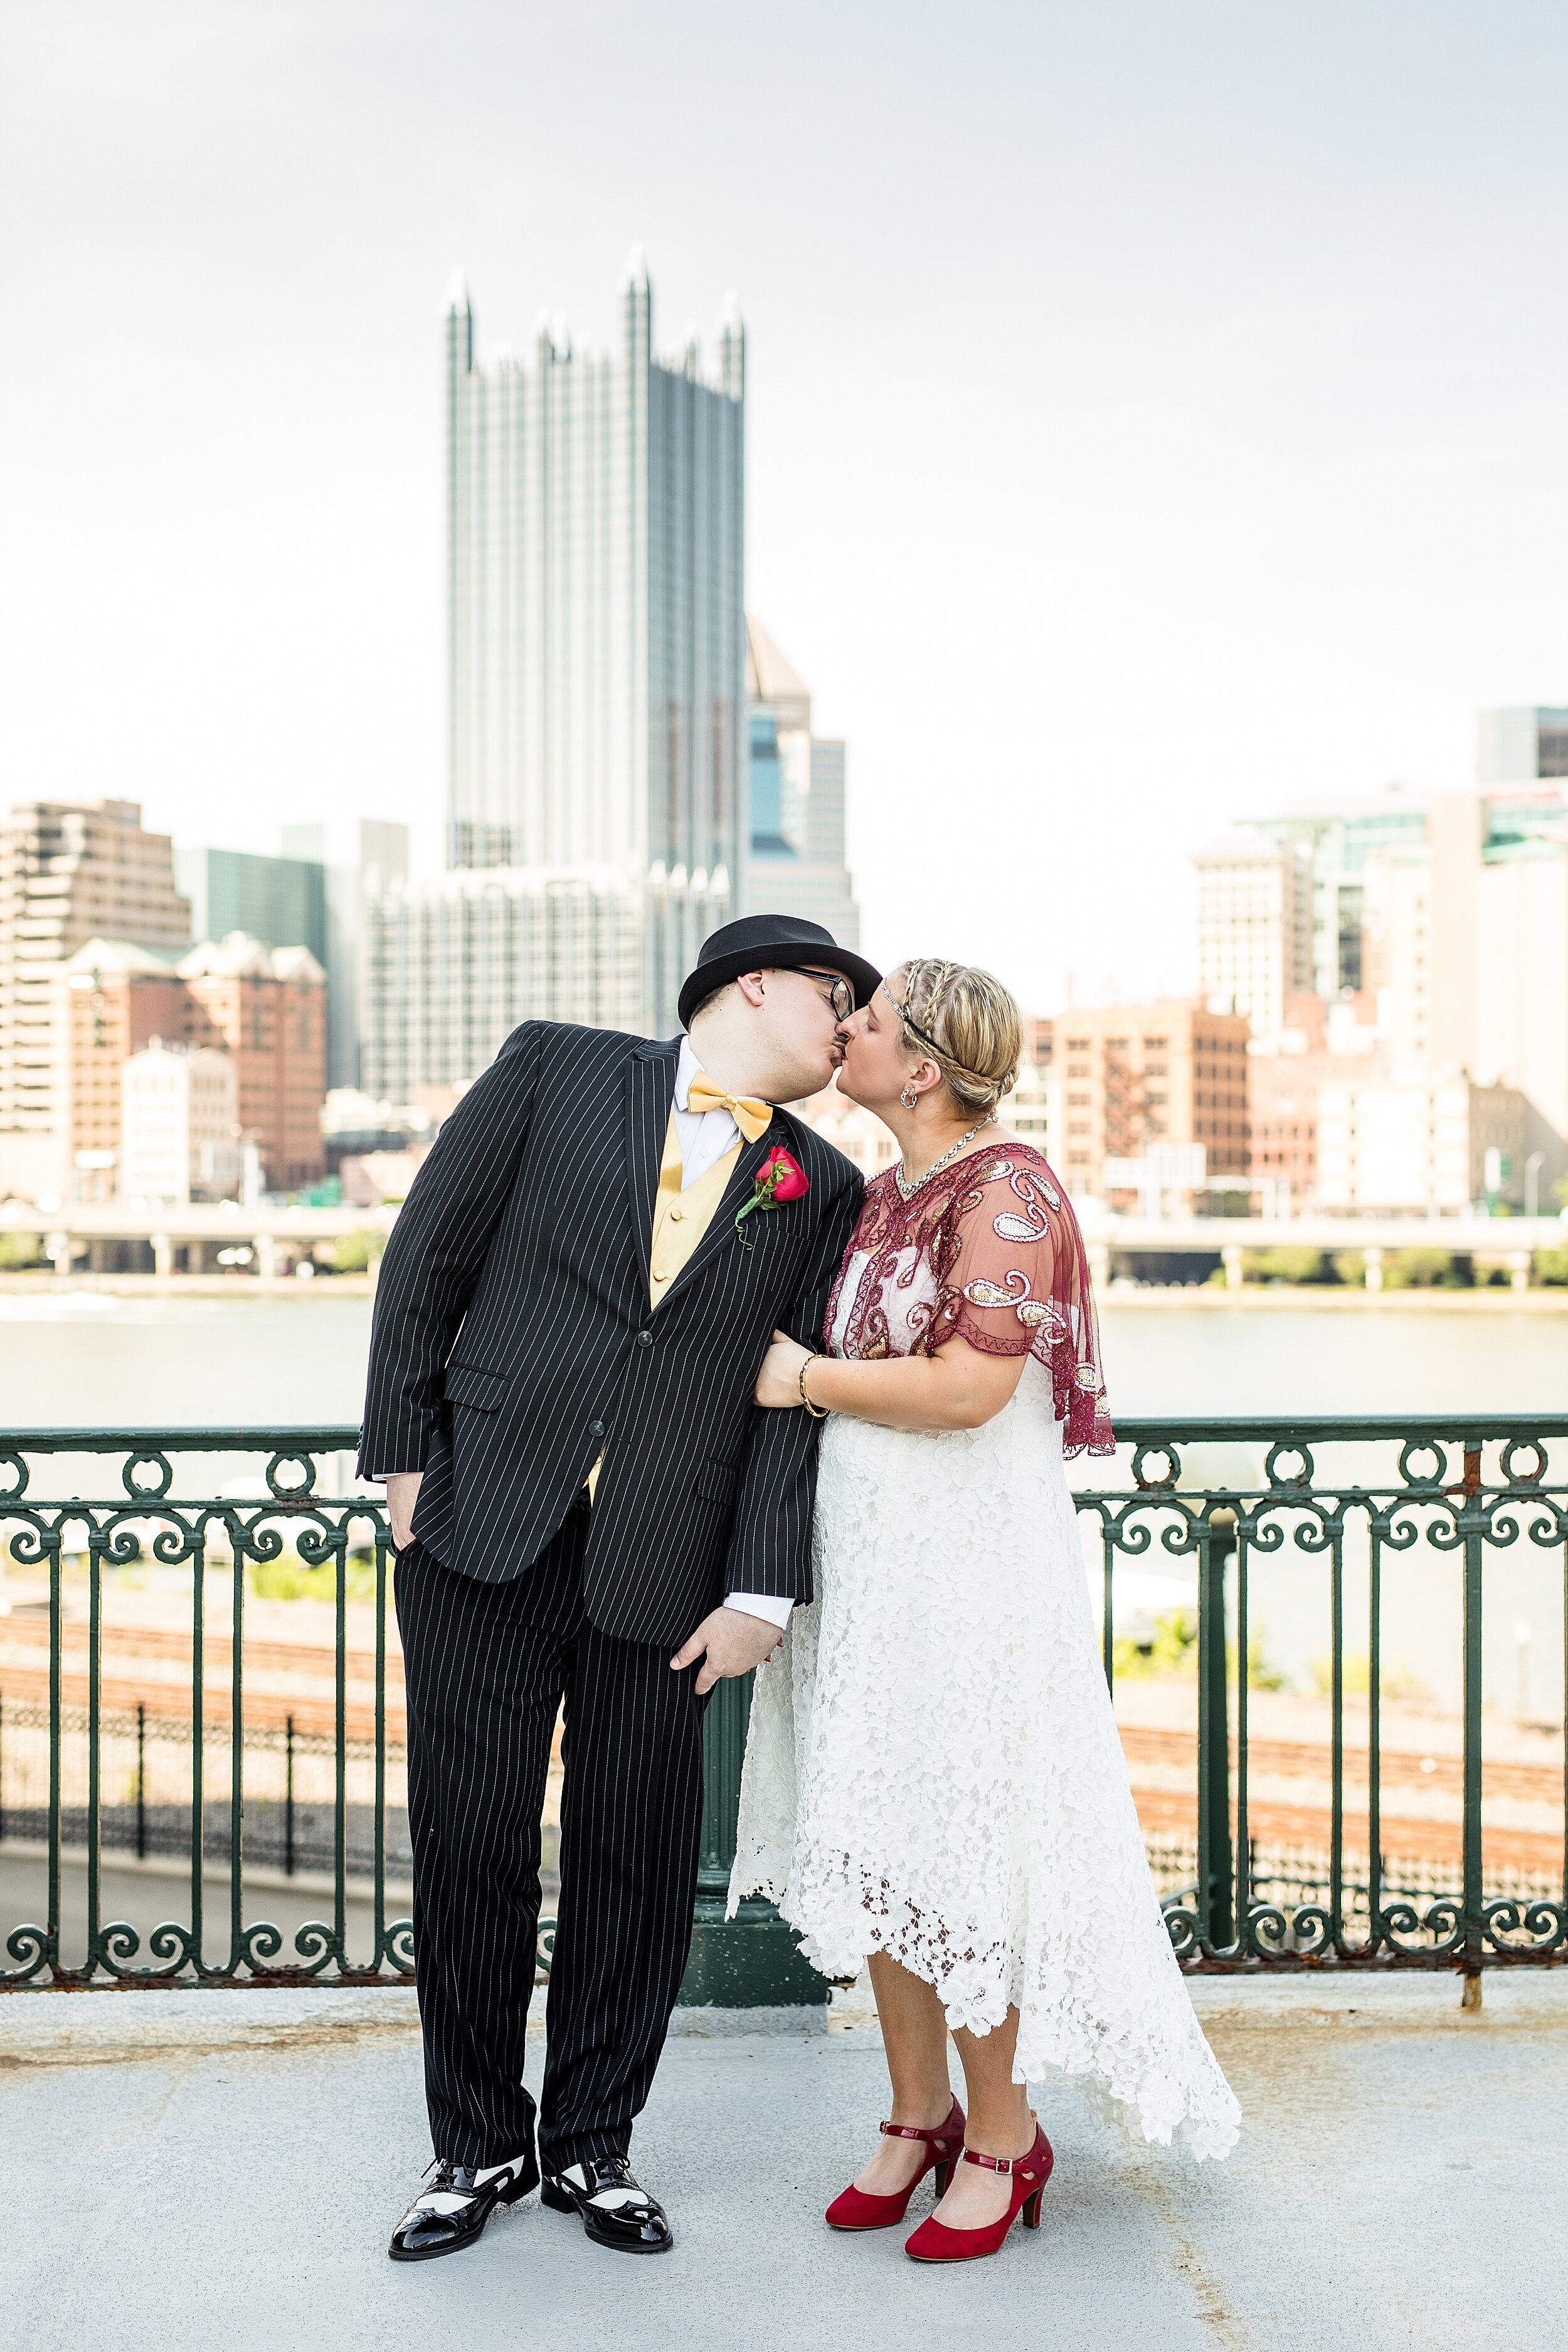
(1157, 413)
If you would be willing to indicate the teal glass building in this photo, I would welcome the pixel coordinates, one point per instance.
(793, 849)
(282, 901)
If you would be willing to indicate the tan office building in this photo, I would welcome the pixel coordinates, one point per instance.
(1137, 1076)
(1468, 950)
(70, 871)
(1255, 926)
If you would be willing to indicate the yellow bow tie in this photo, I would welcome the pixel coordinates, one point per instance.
(754, 1118)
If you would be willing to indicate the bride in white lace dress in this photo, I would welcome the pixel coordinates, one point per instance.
(933, 1779)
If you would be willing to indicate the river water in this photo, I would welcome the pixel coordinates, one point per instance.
(85, 1358)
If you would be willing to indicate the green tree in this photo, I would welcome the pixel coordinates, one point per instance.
(1292, 1264)
(1422, 1269)
(1172, 1649)
(288, 1579)
(353, 1253)
(1395, 1681)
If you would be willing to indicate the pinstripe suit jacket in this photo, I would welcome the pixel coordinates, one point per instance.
(513, 1341)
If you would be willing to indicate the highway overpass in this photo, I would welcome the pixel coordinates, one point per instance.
(190, 1240)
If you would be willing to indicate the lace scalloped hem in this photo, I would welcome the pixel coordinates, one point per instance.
(1160, 2105)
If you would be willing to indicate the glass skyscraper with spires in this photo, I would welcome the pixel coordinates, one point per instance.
(597, 646)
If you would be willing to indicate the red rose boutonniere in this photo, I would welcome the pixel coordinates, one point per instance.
(780, 1177)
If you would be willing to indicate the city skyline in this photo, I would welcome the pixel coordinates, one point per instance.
(1260, 500)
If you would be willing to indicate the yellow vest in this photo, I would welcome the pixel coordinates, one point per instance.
(680, 1219)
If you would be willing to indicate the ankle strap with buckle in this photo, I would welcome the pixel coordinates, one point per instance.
(941, 2135)
(1018, 2164)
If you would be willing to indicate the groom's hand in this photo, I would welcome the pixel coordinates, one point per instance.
(402, 1494)
(729, 1641)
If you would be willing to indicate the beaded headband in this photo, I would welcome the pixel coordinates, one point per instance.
(940, 1052)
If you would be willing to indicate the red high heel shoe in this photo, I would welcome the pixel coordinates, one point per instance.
(933, 2241)
(858, 2210)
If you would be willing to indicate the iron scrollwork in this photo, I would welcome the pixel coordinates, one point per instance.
(1464, 1491)
(209, 1538)
(1443, 1495)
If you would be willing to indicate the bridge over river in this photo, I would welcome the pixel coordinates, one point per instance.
(114, 1238)
(1507, 1241)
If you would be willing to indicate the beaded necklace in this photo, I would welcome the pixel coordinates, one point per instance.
(907, 1190)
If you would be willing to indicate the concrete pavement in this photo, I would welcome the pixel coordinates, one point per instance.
(221, 2169)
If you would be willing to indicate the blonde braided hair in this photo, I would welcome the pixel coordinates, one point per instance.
(966, 1021)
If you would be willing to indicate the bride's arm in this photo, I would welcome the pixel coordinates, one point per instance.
(958, 1388)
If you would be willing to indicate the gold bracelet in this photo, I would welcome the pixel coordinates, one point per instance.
(818, 1412)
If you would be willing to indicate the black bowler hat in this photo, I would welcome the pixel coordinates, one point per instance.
(775, 943)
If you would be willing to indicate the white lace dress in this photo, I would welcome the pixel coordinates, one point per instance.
(933, 1767)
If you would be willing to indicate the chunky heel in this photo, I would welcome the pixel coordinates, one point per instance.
(857, 2208)
(934, 2242)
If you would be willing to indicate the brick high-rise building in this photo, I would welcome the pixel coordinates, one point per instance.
(116, 999)
(266, 1008)
(1137, 1076)
(1319, 1045)
(70, 871)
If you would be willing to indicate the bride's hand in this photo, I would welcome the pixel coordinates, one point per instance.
(778, 1382)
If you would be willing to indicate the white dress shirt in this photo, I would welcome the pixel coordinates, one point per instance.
(705, 1137)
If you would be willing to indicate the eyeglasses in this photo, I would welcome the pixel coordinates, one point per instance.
(840, 995)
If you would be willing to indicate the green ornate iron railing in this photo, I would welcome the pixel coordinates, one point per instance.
(1420, 1489)
(156, 1718)
(147, 1523)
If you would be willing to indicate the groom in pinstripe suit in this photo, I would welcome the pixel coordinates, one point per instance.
(591, 1512)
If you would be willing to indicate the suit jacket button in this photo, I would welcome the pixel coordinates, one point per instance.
(644, 1339)
(595, 1429)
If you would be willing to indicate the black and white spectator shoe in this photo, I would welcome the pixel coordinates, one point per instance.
(451, 2212)
(616, 2212)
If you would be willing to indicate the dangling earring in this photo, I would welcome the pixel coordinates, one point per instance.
(908, 1098)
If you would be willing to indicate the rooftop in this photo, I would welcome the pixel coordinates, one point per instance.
(237, 2159)
(771, 679)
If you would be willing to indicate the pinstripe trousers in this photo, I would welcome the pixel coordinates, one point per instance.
(487, 1667)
